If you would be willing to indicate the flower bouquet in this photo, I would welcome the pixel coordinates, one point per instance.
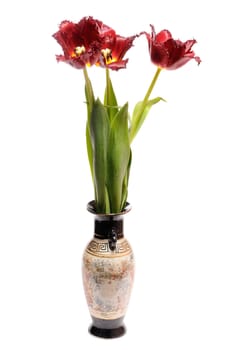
(110, 128)
(108, 262)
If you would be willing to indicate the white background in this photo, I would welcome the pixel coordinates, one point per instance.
(181, 193)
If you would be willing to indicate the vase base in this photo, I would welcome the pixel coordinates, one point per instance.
(107, 328)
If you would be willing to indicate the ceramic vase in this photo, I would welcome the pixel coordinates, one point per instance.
(108, 273)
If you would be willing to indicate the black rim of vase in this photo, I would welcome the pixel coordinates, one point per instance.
(92, 209)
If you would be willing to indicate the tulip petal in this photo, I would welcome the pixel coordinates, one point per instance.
(163, 36)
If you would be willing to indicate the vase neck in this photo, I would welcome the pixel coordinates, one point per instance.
(108, 227)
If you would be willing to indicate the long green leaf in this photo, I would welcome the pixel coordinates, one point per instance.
(139, 115)
(99, 132)
(118, 158)
(110, 100)
(89, 148)
(126, 182)
(89, 103)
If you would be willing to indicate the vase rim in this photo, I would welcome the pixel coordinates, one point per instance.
(91, 208)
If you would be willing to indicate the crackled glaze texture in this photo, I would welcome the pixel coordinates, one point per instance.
(108, 278)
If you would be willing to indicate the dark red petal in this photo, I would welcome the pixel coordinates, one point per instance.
(91, 56)
(121, 46)
(159, 55)
(197, 59)
(152, 36)
(66, 37)
(105, 31)
(117, 65)
(189, 44)
(163, 36)
(60, 58)
(181, 62)
(86, 33)
(118, 46)
(175, 49)
(77, 63)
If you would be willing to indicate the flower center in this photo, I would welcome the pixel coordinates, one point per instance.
(79, 50)
(107, 55)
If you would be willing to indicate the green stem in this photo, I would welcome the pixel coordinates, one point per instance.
(149, 91)
(107, 76)
(85, 73)
(144, 103)
(88, 92)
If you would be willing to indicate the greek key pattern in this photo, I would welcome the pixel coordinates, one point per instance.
(99, 247)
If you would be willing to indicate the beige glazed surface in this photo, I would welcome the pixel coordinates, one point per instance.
(108, 278)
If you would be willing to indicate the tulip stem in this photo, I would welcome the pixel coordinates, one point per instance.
(140, 112)
(149, 91)
(107, 75)
(89, 92)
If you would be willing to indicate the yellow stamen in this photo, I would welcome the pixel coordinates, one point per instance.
(107, 54)
(79, 50)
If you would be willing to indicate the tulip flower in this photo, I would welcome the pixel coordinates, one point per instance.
(168, 53)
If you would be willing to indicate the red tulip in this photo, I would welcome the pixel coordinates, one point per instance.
(113, 51)
(168, 53)
(81, 42)
(92, 42)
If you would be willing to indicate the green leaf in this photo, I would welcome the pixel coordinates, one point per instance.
(110, 100)
(89, 103)
(99, 132)
(89, 148)
(118, 157)
(140, 112)
(126, 182)
(88, 94)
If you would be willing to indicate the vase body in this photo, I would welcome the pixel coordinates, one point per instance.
(108, 273)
